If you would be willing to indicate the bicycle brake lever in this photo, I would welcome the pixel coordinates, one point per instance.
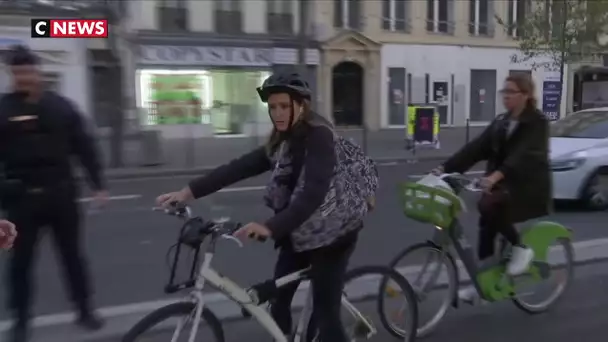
(233, 239)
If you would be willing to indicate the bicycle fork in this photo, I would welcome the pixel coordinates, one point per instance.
(195, 317)
(430, 258)
(197, 297)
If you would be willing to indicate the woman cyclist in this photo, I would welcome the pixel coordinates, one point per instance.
(303, 142)
(517, 181)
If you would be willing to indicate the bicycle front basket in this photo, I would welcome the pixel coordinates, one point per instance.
(432, 205)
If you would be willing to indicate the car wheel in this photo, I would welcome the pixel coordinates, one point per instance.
(595, 195)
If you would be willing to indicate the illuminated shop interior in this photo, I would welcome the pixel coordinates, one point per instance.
(226, 99)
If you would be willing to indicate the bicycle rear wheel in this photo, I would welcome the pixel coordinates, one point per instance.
(362, 287)
(158, 325)
(562, 271)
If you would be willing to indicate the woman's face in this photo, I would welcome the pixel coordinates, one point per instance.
(512, 96)
(279, 106)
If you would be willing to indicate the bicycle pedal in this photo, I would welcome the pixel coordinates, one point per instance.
(361, 329)
(391, 292)
(475, 301)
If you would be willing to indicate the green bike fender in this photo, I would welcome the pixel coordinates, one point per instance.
(541, 235)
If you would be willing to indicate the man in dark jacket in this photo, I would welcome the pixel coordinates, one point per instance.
(39, 132)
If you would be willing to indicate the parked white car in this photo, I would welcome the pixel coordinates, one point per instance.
(579, 157)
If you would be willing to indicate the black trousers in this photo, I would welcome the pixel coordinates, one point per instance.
(328, 265)
(495, 218)
(34, 213)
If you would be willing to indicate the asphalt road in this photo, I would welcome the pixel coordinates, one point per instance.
(580, 316)
(127, 242)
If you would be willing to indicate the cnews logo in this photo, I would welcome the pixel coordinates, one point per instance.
(69, 28)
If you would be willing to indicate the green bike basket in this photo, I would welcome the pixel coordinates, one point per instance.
(427, 204)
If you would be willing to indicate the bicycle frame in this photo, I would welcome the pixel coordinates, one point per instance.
(242, 297)
(233, 291)
(455, 237)
(246, 298)
(489, 277)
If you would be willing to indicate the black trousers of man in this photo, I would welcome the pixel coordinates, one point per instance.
(328, 265)
(36, 211)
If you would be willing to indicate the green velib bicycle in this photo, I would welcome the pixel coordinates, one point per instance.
(441, 208)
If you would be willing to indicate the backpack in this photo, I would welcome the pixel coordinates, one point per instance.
(350, 197)
(357, 175)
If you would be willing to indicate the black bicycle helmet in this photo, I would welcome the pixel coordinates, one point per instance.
(292, 84)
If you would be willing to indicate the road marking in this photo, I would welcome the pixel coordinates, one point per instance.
(112, 198)
(389, 164)
(243, 189)
(472, 173)
(137, 196)
(151, 178)
(588, 250)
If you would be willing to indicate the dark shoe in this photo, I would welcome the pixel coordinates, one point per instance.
(18, 333)
(90, 321)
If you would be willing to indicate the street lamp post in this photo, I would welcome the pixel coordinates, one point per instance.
(303, 36)
(562, 61)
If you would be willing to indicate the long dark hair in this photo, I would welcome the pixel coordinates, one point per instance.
(276, 137)
(525, 84)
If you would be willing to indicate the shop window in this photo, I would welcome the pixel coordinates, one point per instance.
(225, 99)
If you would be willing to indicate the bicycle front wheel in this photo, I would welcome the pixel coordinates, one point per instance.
(362, 287)
(432, 273)
(164, 323)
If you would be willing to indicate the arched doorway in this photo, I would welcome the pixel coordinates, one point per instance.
(347, 90)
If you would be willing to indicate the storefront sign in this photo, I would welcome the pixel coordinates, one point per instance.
(205, 56)
(552, 99)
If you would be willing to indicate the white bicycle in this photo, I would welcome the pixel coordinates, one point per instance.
(193, 311)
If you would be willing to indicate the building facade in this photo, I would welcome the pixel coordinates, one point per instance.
(198, 62)
(448, 52)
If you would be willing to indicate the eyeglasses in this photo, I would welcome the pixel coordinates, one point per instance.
(509, 92)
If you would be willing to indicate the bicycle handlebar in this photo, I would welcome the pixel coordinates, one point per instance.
(222, 228)
(458, 179)
(182, 211)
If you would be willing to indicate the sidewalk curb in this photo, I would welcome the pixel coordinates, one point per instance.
(143, 172)
(55, 328)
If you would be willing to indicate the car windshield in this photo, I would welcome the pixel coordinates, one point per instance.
(585, 125)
